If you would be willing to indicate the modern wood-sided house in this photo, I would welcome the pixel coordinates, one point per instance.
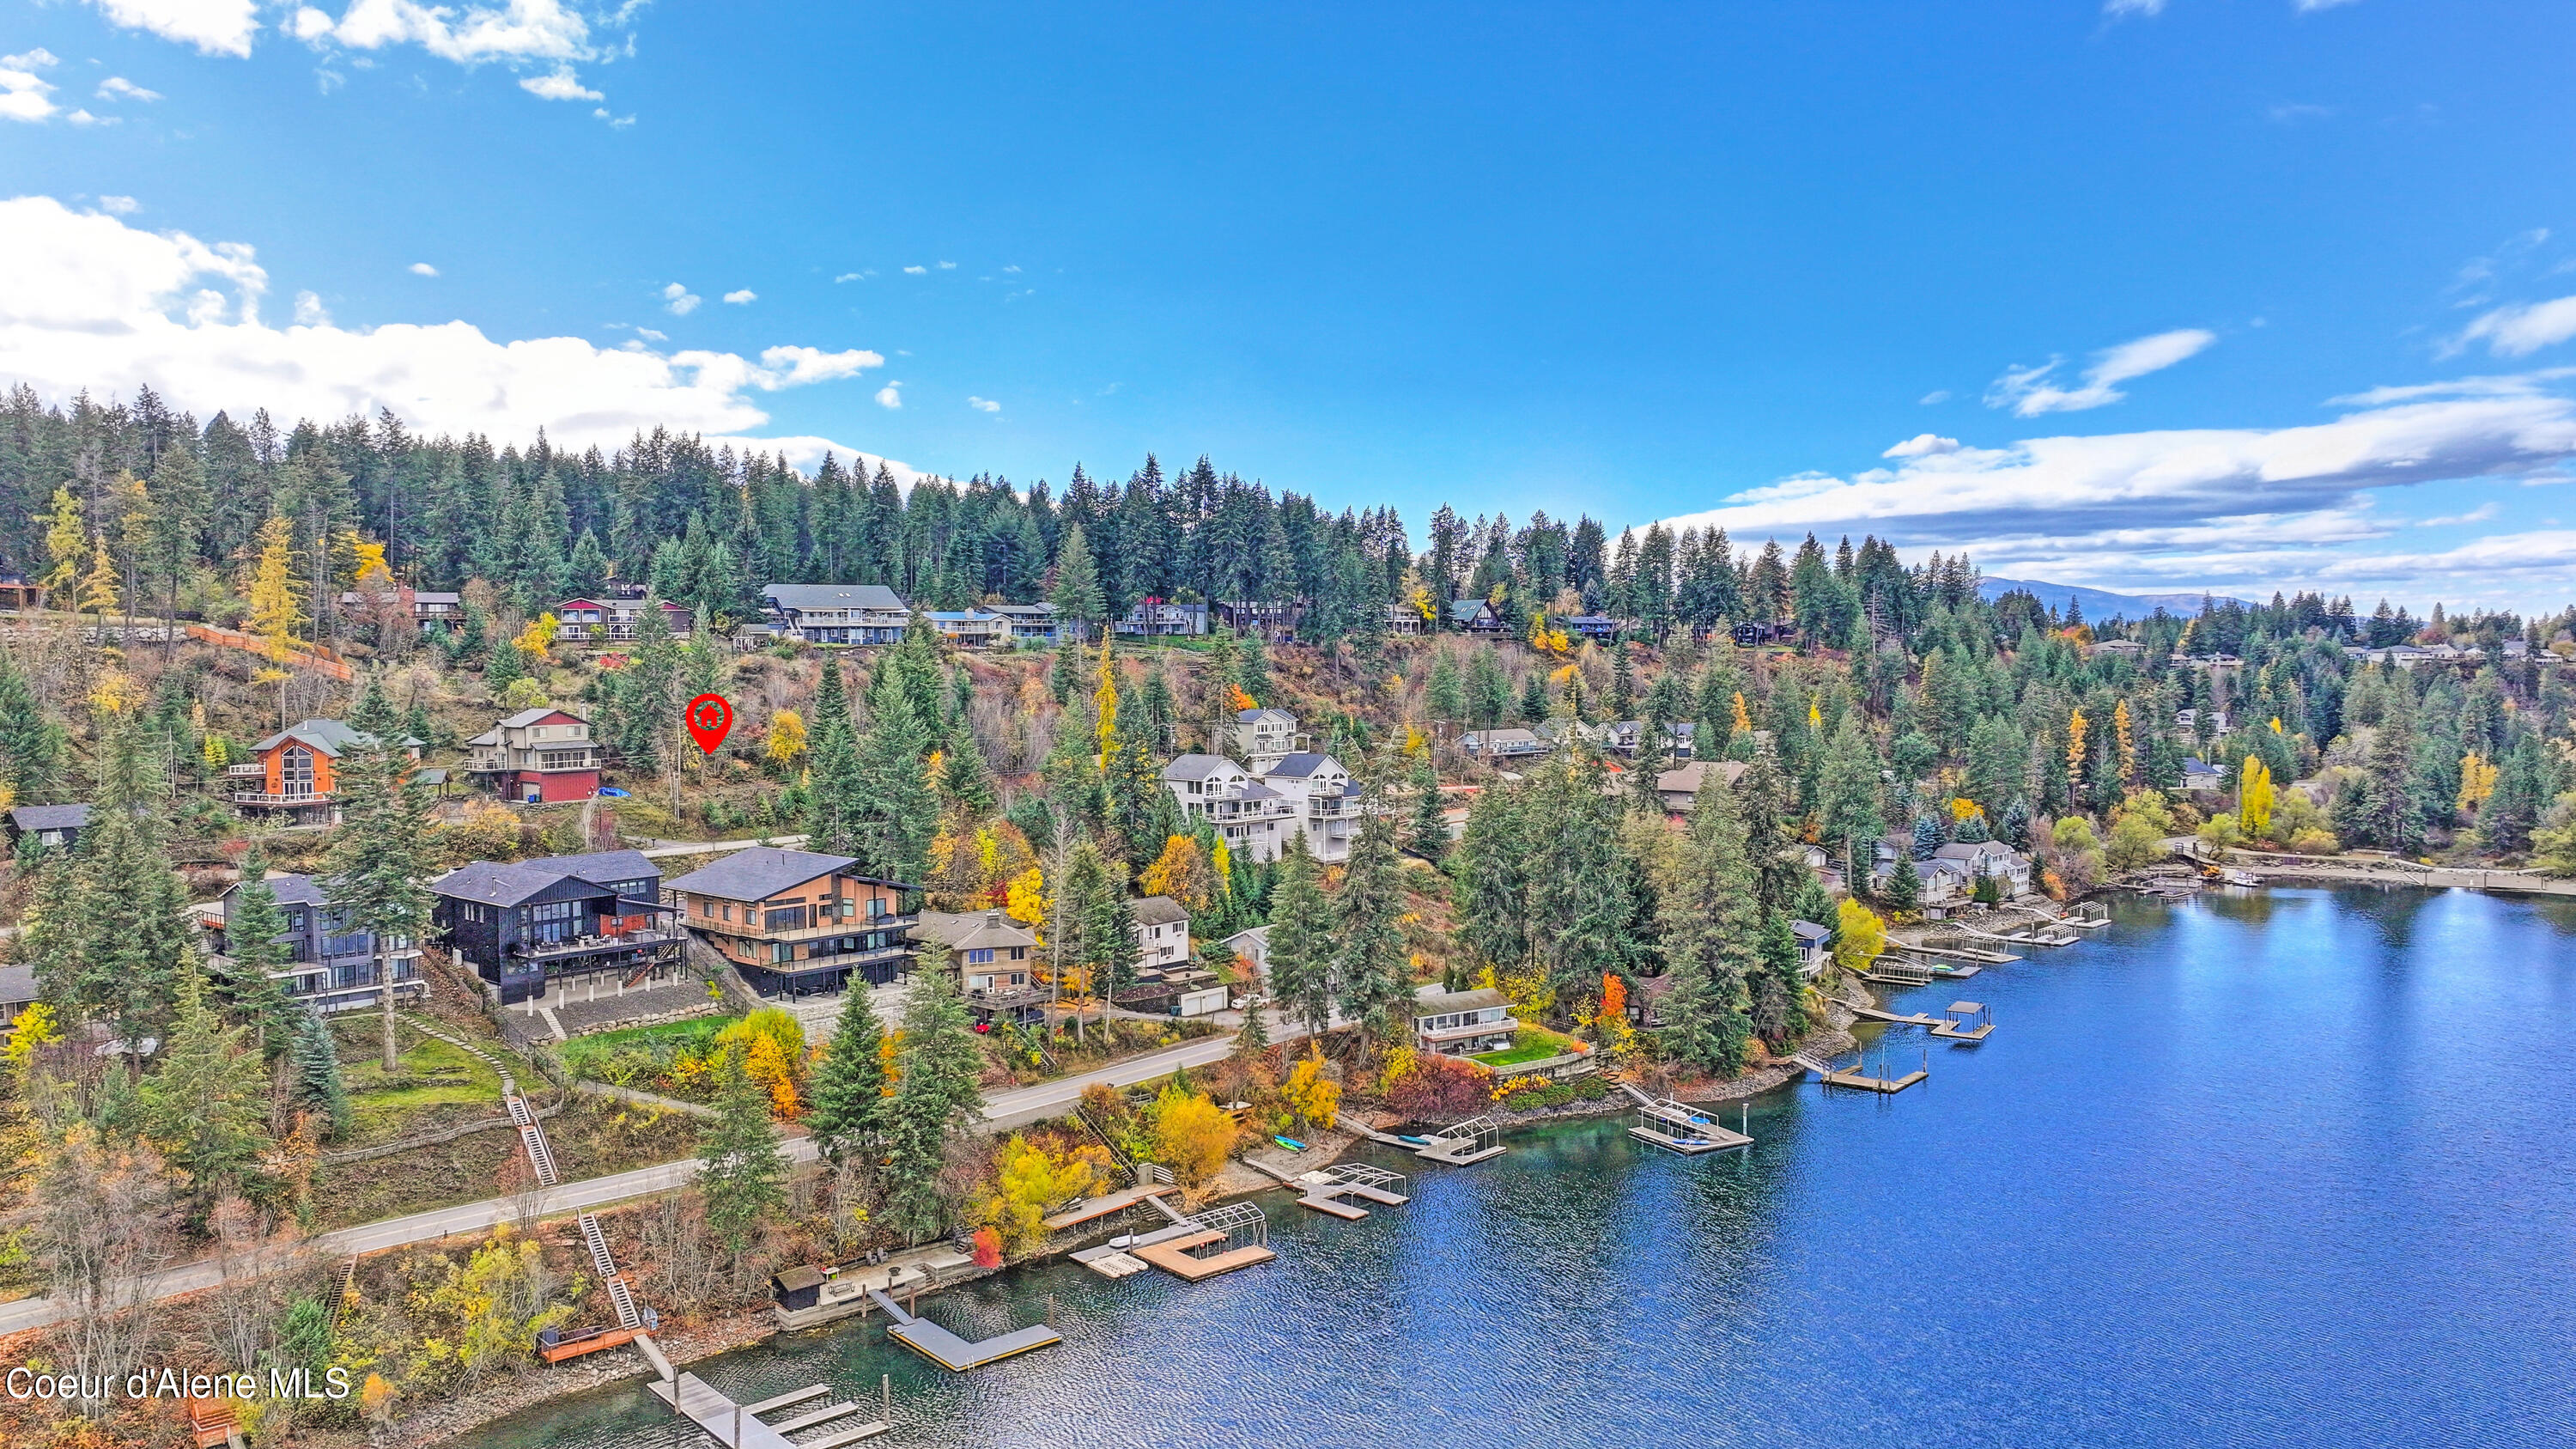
(523, 924)
(295, 774)
(796, 923)
(537, 756)
(329, 967)
(837, 613)
(995, 961)
(1473, 616)
(55, 827)
(1463, 1023)
(615, 621)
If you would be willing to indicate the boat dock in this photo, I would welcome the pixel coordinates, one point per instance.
(1968, 1023)
(1679, 1127)
(951, 1352)
(1226, 1237)
(1860, 1079)
(739, 1426)
(1100, 1207)
(1109, 1262)
(1872, 1013)
(1459, 1144)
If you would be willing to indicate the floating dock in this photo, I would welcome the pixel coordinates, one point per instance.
(1872, 1013)
(1458, 1145)
(1679, 1127)
(1885, 1086)
(951, 1352)
(1225, 1237)
(1968, 1024)
(1109, 1262)
(739, 1426)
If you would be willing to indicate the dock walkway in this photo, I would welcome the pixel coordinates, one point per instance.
(739, 1426)
(951, 1352)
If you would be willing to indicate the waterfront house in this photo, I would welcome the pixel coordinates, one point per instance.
(615, 620)
(294, 774)
(1252, 818)
(1323, 800)
(1991, 860)
(1463, 1023)
(837, 613)
(1473, 616)
(523, 924)
(1264, 735)
(970, 628)
(2199, 777)
(1814, 942)
(994, 958)
(1504, 747)
(536, 756)
(797, 923)
(55, 827)
(329, 967)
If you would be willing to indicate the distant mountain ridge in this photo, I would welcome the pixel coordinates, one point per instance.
(2099, 603)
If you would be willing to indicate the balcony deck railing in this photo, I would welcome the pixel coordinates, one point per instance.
(262, 797)
(845, 926)
(591, 945)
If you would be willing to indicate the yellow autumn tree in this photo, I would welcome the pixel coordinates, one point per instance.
(98, 593)
(1743, 716)
(786, 736)
(1104, 696)
(2128, 741)
(539, 635)
(1180, 872)
(2254, 798)
(1423, 605)
(276, 596)
(1192, 1135)
(66, 541)
(1313, 1097)
(2477, 780)
(1025, 900)
(1859, 936)
(2076, 727)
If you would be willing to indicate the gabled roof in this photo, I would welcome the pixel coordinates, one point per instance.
(835, 596)
(973, 931)
(604, 866)
(330, 736)
(527, 717)
(1444, 1002)
(1160, 911)
(1973, 850)
(1016, 610)
(499, 883)
(292, 890)
(50, 817)
(1809, 930)
(17, 984)
(1465, 610)
(1302, 765)
(765, 870)
(1199, 767)
(1255, 716)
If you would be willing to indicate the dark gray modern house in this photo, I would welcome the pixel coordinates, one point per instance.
(56, 827)
(525, 923)
(329, 967)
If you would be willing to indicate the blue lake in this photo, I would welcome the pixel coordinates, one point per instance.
(2284, 1169)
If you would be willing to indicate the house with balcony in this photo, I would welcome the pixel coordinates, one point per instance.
(1473, 616)
(1273, 620)
(971, 628)
(1323, 799)
(1249, 816)
(524, 924)
(1991, 860)
(1404, 621)
(837, 613)
(1625, 737)
(329, 967)
(55, 827)
(1027, 623)
(1505, 747)
(616, 620)
(796, 923)
(1815, 947)
(995, 959)
(1264, 735)
(294, 775)
(1463, 1023)
(1162, 933)
(537, 756)
(1156, 619)
(1678, 788)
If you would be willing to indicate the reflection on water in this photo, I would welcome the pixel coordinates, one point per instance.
(2290, 1169)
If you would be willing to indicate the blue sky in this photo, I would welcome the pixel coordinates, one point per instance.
(2226, 293)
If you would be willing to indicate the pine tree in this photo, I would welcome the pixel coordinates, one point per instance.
(202, 1107)
(31, 744)
(318, 1084)
(745, 1175)
(1534, 702)
(1710, 936)
(1443, 696)
(1847, 787)
(1780, 984)
(1301, 941)
(508, 667)
(891, 815)
(1491, 870)
(848, 1107)
(1077, 592)
(1372, 960)
(375, 869)
(1905, 885)
(1428, 836)
(108, 939)
(964, 776)
(935, 1095)
(252, 927)
(1254, 669)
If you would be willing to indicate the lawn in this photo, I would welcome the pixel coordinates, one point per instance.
(436, 1085)
(1529, 1045)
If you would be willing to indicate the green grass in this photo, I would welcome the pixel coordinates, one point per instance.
(1529, 1045)
(462, 1085)
(646, 1036)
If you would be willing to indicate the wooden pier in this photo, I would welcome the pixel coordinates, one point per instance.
(1968, 1024)
(1101, 1207)
(739, 1426)
(1225, 1237)
(1459, 1145)
(1109, 1262)
(1867, 1083)
(951, 1352)
(1872, 1013)
(1679, 1127)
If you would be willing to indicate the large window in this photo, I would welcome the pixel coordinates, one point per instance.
(790, 919)
(295, 773)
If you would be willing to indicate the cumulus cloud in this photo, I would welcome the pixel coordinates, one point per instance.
(87, 301)
(118, 88)
(680, 300)
(2519, 331)
(214, 27)
(309, 311)
(559, 84)
(1922, 445)
(422, 269)
(2029, 392)
(854, 276)
(743, 298)
(119, 205)
(24, 95)
(890, 396)
(983, 405)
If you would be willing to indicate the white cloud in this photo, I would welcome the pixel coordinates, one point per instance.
(2479, 514)
(521, 30)
(2133, 7)
(119, 205)
(853, 276)
(2305, 7)
(1922, 445)
(87, 301)
(558, 85)
(916, 271)
(615, 123)
(2520, 330)
(1936, 395)
(117, 87)
(2029, 393)
(1013, 269)
(214, 27)
(888, 396)
(23, 92)
(309, 311)
(947, 266)
(82, 117)
(983, 405)
(651, 335)
(743, 298)
(2289, 113)
(680, 300)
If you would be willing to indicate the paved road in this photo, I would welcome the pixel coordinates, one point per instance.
(1002, 1109)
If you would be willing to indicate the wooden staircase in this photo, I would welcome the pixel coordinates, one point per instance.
(542, 1159)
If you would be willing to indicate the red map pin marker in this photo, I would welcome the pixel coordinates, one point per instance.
(709, 720)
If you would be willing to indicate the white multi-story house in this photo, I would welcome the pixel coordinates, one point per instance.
(837, 613)
(1463, 1023)
(1252, 818)
(1162, 933)
(1991, 860)
(1325, 801)
(1264, 735)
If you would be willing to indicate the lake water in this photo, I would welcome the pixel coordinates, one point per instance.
(2281, 1169)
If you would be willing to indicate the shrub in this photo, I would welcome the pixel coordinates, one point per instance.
(1192, 1135)
(1435, 1086)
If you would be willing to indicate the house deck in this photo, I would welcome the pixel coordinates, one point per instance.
(1101, 1207)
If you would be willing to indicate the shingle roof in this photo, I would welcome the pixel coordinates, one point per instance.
(834, 596)
(1809, 930)
(295, 890)
(1252, 716)
(496, 883)
(1197, 767)
(1159, 911)
(527, 717)
(1444, 1002)
(973, 931)
(50, 817)
(1466, 609)
(1301, 765)
(765, 870)
(330, 736)
(17, 984)
(604, 866)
